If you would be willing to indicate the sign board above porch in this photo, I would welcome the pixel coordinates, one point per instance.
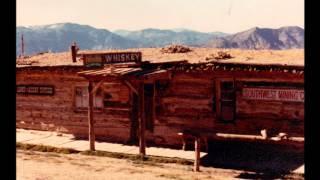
(100, 59)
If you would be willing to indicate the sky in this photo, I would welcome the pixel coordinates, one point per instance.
(227, 16)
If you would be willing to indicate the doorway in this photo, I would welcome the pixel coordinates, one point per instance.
(149, 102)
(149, 111)
(134, 118)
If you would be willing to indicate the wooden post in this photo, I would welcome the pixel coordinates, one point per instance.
(130, 86)
(184, 143)
(73, 53)
(197, 154)
(183, 139)
(90, 117)
(218, 97)
(142, 124)
(264, 133)
(22, 46)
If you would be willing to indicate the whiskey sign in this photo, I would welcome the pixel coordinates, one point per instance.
(35, 89)
(98, 60)
(293, 95)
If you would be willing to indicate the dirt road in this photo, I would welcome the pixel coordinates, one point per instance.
(33, 165)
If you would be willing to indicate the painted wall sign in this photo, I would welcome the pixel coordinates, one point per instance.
(294, 95)
(35, 89)
(97, 60)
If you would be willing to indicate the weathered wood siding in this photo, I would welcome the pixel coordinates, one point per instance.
(186, 102)
(192, 95)
(58, 112)
(179, 105)
(276, 116)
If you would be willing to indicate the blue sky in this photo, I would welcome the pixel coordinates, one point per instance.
(203, 15)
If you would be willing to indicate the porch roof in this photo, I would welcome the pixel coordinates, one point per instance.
(124, 73)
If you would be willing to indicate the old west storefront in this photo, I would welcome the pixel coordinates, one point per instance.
(205, 98)
(140, 81)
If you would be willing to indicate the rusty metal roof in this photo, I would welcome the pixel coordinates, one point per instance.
(109, 71)
(116, 72)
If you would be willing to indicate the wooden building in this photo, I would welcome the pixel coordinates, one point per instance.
(250, 93)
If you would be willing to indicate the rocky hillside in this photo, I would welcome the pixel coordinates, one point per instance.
(262, 38)
(159, 38)
(58, 38)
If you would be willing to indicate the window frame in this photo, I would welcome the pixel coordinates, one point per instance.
(82, 108)
(219, 99)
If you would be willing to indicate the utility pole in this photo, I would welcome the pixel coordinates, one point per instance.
(22, 46)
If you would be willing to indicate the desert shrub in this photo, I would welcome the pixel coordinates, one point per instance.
(175, 49)
(220, 55)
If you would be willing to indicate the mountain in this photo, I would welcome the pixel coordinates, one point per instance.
(157, 38)
(59, 37)
(261, 38)
(216, 34)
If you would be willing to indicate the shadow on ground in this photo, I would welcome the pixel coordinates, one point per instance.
(261, 161)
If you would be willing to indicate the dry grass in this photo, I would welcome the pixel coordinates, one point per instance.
(48, 59)
(44, 148)
(138, 159)
(147, 160)
(289, 57)
(39, 165)
(196, 55)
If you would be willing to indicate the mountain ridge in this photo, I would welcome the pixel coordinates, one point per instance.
(58, 37)
(286, 37)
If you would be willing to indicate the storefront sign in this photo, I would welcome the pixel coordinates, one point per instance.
(294, 95)
(35, 89)
(98, 60)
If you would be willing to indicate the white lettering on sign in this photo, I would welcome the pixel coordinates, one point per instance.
(46, 90)
(21, 89)
(98, 60)
(294, 95)
(35, 89)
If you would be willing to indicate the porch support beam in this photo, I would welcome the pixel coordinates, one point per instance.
(131, 87)
(90, 117)
(142, 124)
(196, 167)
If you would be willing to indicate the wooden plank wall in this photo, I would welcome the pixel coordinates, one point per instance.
(276, 116)
(58, 113)
(186, 103)
(178, 107)
(189, 95)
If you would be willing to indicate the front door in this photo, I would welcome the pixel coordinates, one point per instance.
(134, 118)
(149, 111)
(149, 92)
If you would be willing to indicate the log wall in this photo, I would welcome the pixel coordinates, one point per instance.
(58, 112)
(189, 103)
(186, 102)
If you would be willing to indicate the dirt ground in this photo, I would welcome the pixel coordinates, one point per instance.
(33, 165)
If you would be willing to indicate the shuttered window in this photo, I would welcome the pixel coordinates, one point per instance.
(81, 98)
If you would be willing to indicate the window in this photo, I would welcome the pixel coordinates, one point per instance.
(82, 101)
(225, 105)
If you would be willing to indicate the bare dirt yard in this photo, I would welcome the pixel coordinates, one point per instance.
(223, 164)
(32, 165)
